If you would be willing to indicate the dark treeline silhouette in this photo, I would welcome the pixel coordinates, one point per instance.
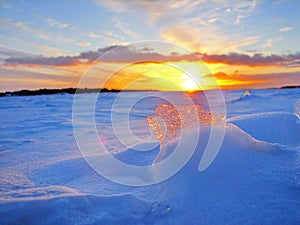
(285, 87)
(46, 91)
(56, 91)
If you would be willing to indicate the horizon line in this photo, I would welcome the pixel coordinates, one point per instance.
(72, 90)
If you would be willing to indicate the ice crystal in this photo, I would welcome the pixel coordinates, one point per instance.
(168, 120)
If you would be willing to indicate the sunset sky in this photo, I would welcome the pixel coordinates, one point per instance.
(244, 44)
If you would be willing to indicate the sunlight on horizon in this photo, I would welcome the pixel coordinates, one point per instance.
(188, 84)
(175, 76)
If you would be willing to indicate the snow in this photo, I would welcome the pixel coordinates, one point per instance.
(255, 178)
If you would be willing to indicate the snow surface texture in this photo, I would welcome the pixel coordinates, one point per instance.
(255, 178)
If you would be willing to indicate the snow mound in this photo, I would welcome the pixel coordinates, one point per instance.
(275, 127)
(246, 96)
(242, 181)
(139, 158)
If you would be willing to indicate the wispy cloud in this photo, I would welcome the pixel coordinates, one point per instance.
(107, 37)
(154, 11)
(28, 32)
(246, 81)
(284, 29)
(198, 25)
(205, 38)
(76, 42)
(268, 43)
(33, 47)
(213, 20)
(207, 30)
(14, 79)
(124, 28)
(56, 24)
(16, 24)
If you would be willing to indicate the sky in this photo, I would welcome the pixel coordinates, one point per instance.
(232, 44)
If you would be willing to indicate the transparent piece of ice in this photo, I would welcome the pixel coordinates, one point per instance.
(168, 120)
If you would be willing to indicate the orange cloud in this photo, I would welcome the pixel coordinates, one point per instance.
(246, 81)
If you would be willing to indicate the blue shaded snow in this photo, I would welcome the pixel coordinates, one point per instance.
(255, 178)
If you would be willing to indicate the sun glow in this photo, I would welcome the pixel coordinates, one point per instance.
(169, 76)
(188, 84)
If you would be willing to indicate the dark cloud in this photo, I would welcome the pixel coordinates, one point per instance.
(93, 55)
(5, 52)
(255, 60)
(119, 54)
(129, 54)
(40, 60)
(88, 56)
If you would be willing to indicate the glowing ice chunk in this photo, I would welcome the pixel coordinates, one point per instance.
(168, 120)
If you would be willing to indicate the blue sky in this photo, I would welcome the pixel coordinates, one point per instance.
(67, 28)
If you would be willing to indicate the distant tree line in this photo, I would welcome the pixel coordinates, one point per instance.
(285, 87)
(46, 91)
(56, 91)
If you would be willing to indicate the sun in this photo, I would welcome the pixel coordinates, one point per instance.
(188, 84)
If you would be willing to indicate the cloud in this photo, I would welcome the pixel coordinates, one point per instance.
(153, 11)
(198, 25)
(118, 54)
(93, 55)
(284, 29)
(79, 43)
(165, 11)
(158, 11)
(42, 69)
(29, 32)
(204, 38)
(213, 20)
(5, 52)
(247, 81)
(35, 47)
(129, 54)
(40, 60)
(178, 34)
(268, 43)
(56, 24)
(17, 24)
(209, 28)
(106, 37)
(255, 60)
(38, 75)
(14, 79)
(124, 28)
